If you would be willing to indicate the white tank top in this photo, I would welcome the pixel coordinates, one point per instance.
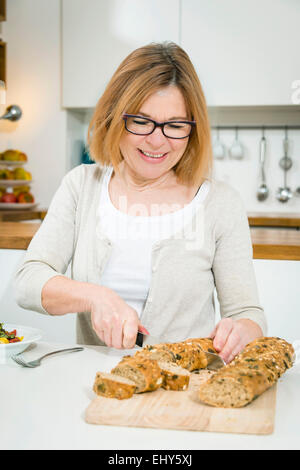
(128, 270)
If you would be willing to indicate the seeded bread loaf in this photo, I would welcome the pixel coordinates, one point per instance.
(206, 344)
(113, 386)
(158, 352)
(174, 377)
(144, 372)
(251, 373)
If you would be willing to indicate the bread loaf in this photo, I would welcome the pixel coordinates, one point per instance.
(144, 372)
(206, 344)
(252, 372)
(158, 352)
(113, 386)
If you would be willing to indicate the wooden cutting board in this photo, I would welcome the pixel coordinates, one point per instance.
(182, 410)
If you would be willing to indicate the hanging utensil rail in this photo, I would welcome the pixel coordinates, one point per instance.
(256, 127)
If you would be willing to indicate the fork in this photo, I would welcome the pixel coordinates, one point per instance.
(37, 362)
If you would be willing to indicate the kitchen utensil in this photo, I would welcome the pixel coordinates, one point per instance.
(236, 150)
(263, 190)
(37, 362)
(284, 193)
(215, 361)
(167, 409)
(286, 162)
(297, 191)
(219, 150)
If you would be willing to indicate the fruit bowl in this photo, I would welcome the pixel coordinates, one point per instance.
(4, 163)
(8, 183)
(17, 205)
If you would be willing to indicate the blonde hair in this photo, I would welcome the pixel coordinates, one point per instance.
(143, 72)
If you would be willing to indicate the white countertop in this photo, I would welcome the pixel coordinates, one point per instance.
(43, 408)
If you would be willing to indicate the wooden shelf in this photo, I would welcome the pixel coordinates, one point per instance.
(17, 235)
(273, 219)
(19, 215)
(2, 10)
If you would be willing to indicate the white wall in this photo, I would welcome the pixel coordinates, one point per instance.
(32, 33)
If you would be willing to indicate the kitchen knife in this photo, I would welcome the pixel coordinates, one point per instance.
(140, 336)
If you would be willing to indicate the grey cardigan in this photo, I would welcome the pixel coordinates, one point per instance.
(215, 251)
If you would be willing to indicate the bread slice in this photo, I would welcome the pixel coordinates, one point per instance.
(174, 377)
(144, 372)
(113, 386)
(252, 372)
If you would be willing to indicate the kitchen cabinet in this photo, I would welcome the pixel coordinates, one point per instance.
(98, 35)
(246, 53)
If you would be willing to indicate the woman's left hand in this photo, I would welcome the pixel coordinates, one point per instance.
(231, 336)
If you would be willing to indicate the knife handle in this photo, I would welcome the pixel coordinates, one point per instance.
(139, 339)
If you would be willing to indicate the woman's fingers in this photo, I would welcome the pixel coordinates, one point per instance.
(231, 336)
(143, 330)
(232, 346)
(222, 331)
(108, 337)
(130, 330)
(117, 333)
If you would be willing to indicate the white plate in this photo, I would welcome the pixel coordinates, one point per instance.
(4, 183)
(17, 205)
(30, 335)
(8, 163)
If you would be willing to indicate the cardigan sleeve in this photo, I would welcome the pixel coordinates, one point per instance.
(233, 265)
(51, 249)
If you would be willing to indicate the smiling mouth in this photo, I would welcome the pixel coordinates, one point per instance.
(152, 155)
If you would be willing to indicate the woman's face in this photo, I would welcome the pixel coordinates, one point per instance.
(164, 105)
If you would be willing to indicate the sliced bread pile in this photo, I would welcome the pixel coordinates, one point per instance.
(250, 374)
(169, 366)
(166, 365)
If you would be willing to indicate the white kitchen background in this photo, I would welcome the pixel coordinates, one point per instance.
(60, 55)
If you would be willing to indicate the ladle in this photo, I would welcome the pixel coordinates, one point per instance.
(284, 193)
(263, 190)
(286, 162)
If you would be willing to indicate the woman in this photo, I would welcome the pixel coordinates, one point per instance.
(148, 233)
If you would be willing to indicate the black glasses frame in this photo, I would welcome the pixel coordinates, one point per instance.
(157, 124)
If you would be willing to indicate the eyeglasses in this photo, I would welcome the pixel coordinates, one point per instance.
(140, 125)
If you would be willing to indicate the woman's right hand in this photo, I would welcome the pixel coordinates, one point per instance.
(114, 321)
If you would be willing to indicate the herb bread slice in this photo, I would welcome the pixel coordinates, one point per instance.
(174, 377)
(113, 386)
(144, 372)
